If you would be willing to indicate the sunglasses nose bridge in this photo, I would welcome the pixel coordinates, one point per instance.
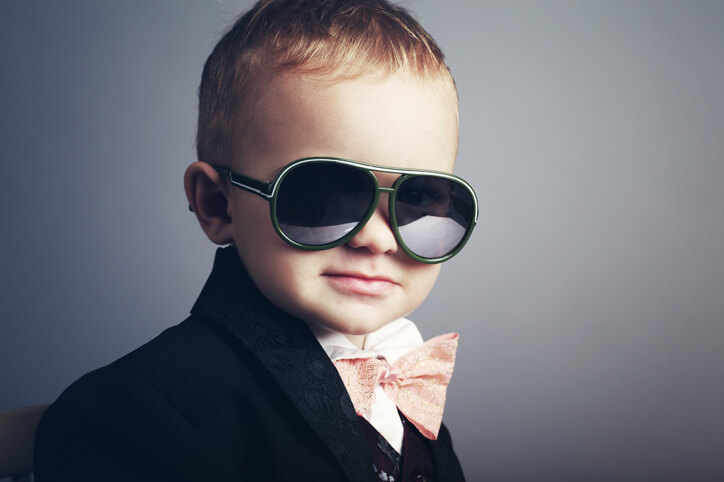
(377, 204)
(376, 232)
(383, 190)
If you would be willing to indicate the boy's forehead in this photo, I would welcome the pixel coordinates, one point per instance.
(298, 114)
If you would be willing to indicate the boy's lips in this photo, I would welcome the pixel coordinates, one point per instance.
(360, 283)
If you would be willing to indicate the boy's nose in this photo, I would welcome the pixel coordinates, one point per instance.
(376, 235)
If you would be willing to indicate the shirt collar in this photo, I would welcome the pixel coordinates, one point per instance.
(389, 342)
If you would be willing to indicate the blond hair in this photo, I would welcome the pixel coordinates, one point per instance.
(338, 38)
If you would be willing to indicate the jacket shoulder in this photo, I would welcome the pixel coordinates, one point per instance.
(165, 407)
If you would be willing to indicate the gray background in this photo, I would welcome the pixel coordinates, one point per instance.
(590, 300)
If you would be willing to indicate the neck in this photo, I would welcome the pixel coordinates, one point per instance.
(357, 340)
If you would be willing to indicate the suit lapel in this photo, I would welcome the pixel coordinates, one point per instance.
(293, 357)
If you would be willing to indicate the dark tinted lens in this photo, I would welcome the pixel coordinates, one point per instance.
(319, 203)
(433, 214)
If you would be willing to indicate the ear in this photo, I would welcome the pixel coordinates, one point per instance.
(206, 193)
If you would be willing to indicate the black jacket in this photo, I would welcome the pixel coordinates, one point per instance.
(238, 391)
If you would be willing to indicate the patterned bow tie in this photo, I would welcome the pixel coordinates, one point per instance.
(416, 382)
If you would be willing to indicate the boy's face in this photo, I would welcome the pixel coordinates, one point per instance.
(396, 121)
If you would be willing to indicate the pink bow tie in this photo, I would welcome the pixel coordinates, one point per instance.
(416, 382)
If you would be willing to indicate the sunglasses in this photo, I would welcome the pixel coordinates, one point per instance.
(320, 203)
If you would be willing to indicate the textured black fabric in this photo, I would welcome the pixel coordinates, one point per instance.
(413, 465)
(417, 461)
(238, 391)
(386, 461)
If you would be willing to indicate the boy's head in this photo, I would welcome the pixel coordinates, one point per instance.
(332, 40)
(349, 79)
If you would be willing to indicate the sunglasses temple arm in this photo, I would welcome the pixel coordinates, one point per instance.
(254, 186)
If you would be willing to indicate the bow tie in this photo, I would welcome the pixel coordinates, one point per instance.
(416, 382)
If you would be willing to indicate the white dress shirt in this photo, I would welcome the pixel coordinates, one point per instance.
(389, 343)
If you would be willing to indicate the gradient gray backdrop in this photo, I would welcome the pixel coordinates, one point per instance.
(590, 300)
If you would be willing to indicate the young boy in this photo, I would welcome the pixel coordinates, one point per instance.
(327, 132)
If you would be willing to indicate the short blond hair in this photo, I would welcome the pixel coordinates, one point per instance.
(342, 39)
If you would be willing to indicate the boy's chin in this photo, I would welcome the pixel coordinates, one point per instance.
(352, 326)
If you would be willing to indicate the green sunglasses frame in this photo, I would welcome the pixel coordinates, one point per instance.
(269, 190)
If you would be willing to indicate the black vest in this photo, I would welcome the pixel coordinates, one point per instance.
(413, 465)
